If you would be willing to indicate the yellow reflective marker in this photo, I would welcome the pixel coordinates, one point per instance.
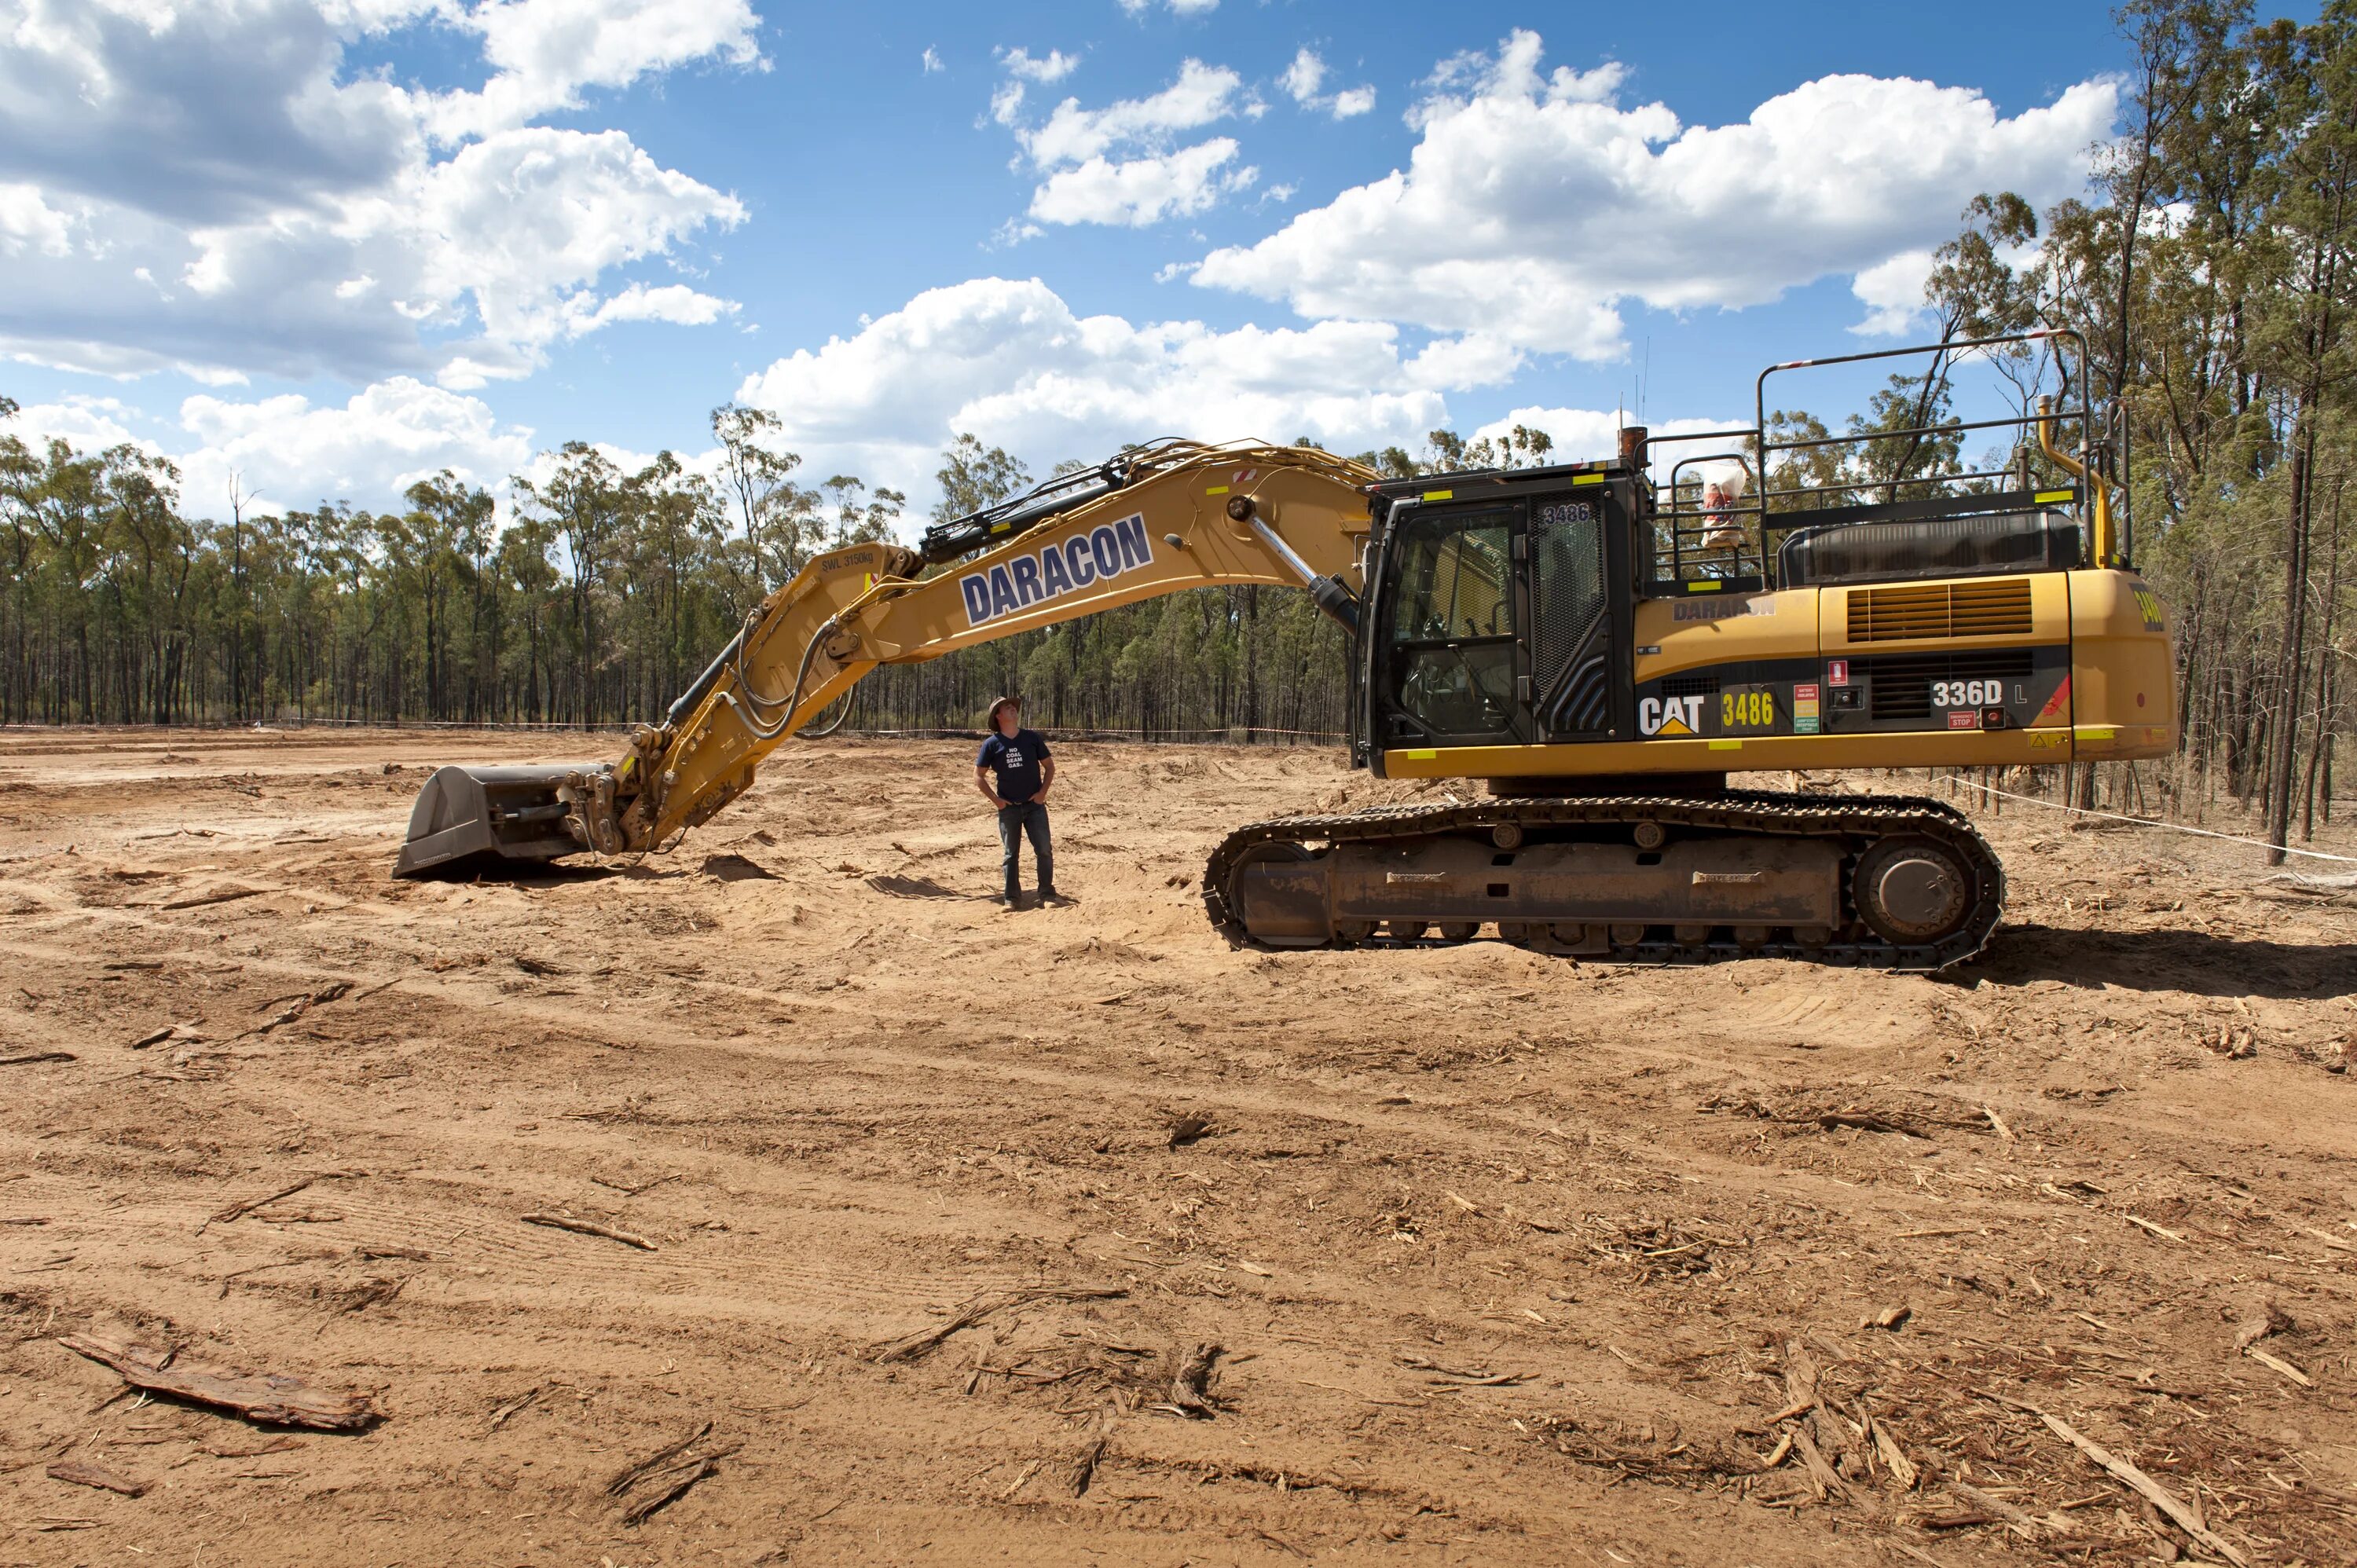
(1726, 745)
(1217, 491)
(1437, 496)
(2088, 733)
(1588, 478)
(2042, 497)
(1706, 586)
(1420, 756)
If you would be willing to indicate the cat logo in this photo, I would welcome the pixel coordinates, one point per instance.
(1659, 716)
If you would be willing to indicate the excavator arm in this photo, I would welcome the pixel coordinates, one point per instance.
(1156, 520)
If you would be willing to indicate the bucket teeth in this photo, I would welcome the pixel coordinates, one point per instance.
(507, 814)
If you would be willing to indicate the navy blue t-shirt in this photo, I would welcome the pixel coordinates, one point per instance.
(1015, 762)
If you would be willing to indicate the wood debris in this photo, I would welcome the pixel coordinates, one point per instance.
(1026, 1474)
(300, 1006)
(630, 1475)
(500, 1417)
(1997, 1510)
(669, 1472)
(31, 1058)
(1862, 1118)
(226, 895)
(2280, 1365)
(1188, 1130)
(237, 1211)
(2185, 1518)
(588, 1228)
(273, 1398)
(1190, 1378)
(687, 1475)
(2264, 1325)
(1894, 1459)
(1084, 1467)
(912, 1346)
(82, 1473)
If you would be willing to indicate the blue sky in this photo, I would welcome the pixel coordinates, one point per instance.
(329, 245)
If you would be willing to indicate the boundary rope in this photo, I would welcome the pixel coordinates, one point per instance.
(2158, 823)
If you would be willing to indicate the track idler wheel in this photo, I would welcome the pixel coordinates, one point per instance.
(1912, 891)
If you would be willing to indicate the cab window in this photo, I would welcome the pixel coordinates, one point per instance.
(1452, 626)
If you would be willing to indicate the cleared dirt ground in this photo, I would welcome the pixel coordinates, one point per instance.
(1506, 1259)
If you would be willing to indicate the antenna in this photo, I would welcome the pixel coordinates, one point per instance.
(1645, 378)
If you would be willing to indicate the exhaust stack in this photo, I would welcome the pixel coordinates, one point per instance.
(514, 813)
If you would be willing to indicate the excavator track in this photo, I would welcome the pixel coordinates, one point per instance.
(1869, 835)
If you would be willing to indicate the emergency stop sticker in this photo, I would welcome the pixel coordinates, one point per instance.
(1970, 718)
(1804, 708)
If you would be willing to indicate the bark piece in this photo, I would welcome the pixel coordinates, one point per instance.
(82, 1473)
(273, 1398)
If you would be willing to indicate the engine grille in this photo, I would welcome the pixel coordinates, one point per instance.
(1998, 607)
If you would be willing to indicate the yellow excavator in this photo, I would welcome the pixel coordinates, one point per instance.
(1600, 643)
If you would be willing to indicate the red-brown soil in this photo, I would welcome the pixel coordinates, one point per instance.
(1507, 1258)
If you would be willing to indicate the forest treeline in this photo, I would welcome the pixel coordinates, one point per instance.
(2210, 269)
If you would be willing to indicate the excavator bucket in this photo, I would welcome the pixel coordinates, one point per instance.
(514, 813)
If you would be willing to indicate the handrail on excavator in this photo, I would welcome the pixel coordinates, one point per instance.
(2099, 503)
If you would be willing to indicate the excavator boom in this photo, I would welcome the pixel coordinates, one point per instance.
(1157, 519)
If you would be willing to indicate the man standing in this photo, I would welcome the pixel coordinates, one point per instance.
(1013, 771)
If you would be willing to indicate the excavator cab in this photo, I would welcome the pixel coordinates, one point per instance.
(1499, 610)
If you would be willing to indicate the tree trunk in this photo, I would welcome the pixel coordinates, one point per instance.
(2292, 656)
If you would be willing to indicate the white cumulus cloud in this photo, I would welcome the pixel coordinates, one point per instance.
(545, 53)
(218, 186)
(368, 449)
(1304, 78)
(1139, 191)
(1122, 164)
(1011, 362)
(1533, 203)
(285, 453)
(1892, 293)
(1180, 8)
(1053, 66)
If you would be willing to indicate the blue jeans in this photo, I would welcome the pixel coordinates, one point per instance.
(1014, 822)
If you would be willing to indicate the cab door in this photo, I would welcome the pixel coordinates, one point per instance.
(1579, 608)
